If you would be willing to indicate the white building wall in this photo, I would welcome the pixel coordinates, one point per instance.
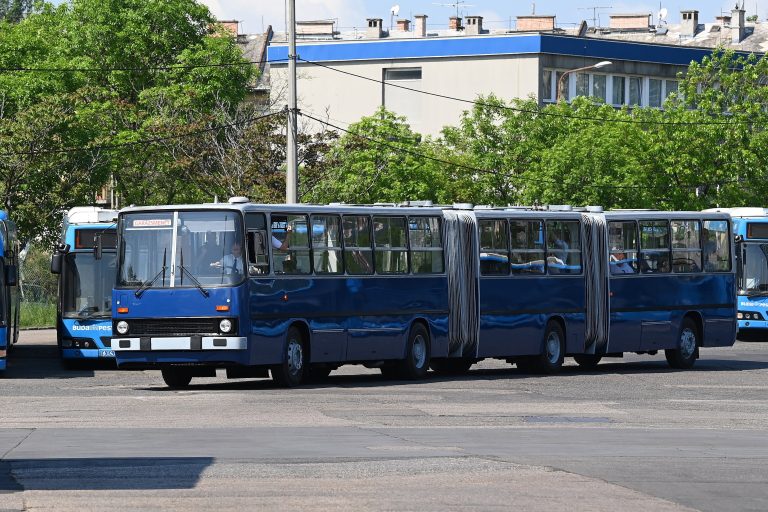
(344, 99)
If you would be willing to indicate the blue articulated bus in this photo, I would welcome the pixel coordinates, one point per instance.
(84, 308)
(298, 290)
(750, 230)
(9, 288)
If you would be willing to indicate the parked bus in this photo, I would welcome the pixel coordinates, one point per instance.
(84, 306)
(9, 288)
(750, 229)
(300, 290)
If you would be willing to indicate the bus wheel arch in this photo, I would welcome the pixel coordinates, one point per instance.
(687, 343)
(291, 370)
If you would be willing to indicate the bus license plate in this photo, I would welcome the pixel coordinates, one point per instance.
(106, 353)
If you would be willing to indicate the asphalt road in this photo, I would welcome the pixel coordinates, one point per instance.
(633, 435)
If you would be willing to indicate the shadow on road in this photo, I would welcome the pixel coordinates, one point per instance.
(33, 361)
(373, 380)
(92, 474)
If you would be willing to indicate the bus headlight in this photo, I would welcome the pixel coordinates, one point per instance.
(225, 325)
(122, 327)
(739, 315)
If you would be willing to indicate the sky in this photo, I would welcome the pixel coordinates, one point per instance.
(256, 15)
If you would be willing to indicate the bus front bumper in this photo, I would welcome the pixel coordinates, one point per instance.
(190, 343)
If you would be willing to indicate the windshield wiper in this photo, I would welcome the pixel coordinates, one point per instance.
(191, 276)
(149, 283)
(757, 293)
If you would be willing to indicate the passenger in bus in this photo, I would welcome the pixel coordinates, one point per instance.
(620, 264)
(708, 251)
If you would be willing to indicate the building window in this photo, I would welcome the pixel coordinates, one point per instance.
(402, 74)
(546, 86)
(671, 88)
(654, 92)
(582, 84)
(618, 97)
(598, 86)
(402, 101)
(635, 90)
(564, 92)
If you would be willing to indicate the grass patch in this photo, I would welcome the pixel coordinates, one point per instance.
(37, 314)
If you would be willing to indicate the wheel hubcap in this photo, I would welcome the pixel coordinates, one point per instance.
(553, 348)
(687, 343)
(419, 351)
(295, 357)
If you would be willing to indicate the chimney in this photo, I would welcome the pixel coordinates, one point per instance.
(231, 26)
(421, 25)
(474, 25)
(630, 22)
(689, 23)
(535, 23)
(403, 25)
(724, 20)
(454, 23)
(737, 25)
(374, 28)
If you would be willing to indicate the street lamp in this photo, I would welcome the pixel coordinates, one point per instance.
(560, 82)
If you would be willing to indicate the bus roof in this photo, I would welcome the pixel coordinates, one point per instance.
(89, 215)
(742, 211)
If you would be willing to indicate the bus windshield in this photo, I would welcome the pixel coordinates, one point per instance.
(754, 278)
(87, 285)
(184, 248)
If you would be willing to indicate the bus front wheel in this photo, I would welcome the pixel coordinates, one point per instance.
(176, 378)
(291, 372)
(684, 355)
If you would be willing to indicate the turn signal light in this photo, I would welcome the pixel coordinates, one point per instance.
(122, 310)
(222, 308)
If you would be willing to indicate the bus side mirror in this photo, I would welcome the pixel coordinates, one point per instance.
(98, 248)
(56, 261)
(11, 275)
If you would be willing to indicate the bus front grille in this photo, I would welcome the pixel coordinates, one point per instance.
(174, 326)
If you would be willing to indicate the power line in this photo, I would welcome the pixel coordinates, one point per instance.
(541, 112)
(143, 142)
(169, 67)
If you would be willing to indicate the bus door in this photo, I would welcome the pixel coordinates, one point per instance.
(624, 269)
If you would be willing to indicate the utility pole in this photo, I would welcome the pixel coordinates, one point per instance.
(291, 171)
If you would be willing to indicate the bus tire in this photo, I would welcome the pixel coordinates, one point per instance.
(457, 366)
(683, 356)
(176, 378)
(553, 350)
(290, 373)
(416, 363)
(587, 361)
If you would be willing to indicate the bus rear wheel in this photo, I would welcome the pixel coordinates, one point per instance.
(176, 378)
(587, 361)
(684, 355)
(551, 359)
(416, 362)
(290, 373)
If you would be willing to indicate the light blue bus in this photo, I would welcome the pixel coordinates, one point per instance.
(9, 289)
(750, 230)
(83, 319)
(299, 290)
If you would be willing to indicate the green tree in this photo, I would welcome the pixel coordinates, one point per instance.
(378, 160)
(14, 10)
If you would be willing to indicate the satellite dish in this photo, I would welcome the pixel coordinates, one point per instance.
(663, 13)
(395, 10)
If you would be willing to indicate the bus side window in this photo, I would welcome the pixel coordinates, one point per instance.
(258, 263)
(715, 246)
(654, 246)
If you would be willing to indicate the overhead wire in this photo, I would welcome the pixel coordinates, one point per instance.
(142, 142)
